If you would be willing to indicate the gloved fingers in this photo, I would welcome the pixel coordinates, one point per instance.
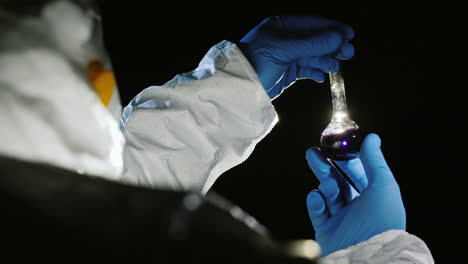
(373, 161)
(275, 91)
(319, 165)
(290, 76)
(308, 24)
(319, 44)
(355, 170)
(345, 51)
(326, 63)
(329, 189)
(323, 170)
(271, 84)
(317, 210)
(311, 73)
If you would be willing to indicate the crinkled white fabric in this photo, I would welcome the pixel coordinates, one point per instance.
(181, 135)
(394, 246)
(185, 134)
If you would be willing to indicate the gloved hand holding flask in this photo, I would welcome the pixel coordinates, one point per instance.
(342, 218)
(285, 49)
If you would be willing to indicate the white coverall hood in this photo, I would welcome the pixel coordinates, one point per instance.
(58, 96)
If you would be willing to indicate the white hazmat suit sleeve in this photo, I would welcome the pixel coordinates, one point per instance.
(394, 246)
(184, 134)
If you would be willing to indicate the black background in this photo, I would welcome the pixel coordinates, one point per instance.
(397, 86)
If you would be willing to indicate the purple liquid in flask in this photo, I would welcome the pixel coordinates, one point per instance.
(342, 138)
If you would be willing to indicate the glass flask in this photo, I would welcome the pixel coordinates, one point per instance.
(341, 139)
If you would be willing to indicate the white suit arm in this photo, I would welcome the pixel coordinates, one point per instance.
(185, 134)
(394, 246)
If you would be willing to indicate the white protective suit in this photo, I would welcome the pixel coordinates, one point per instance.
(182, 135)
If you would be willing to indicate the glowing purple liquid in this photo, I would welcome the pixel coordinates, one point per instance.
(342, 146)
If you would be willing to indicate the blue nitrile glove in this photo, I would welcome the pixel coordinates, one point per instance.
(342, 218)
(284, 49)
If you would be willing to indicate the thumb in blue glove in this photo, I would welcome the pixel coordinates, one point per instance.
(285, 49)
(339, 215)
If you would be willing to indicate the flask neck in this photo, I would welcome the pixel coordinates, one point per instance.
(340, 109)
